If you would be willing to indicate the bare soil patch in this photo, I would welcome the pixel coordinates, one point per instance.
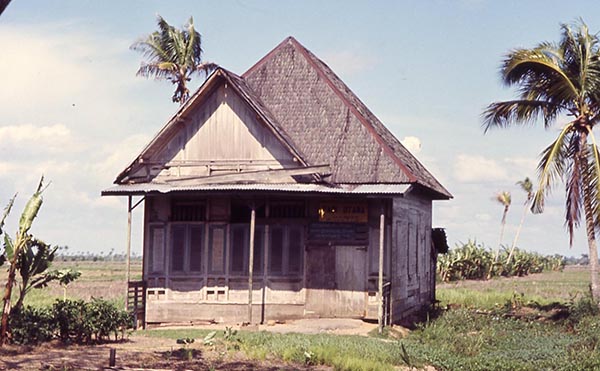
(138, 352)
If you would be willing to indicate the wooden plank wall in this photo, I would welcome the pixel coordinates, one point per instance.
(223, 135)
(413, 265)
(172, 294)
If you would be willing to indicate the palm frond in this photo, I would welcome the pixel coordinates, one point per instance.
(527, 186)
(574, 183)
(540, 73)
(503, 114)
(173, 54)
(593, 180)
(552, 166)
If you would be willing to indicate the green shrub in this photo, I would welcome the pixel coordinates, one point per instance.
(31, 325)
(472, 261)
(107, 319)
(83, 323)
(73, 322)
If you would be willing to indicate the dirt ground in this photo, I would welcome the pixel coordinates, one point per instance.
(143, 353)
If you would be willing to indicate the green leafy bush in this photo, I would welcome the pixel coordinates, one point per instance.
(74, 324)
(472, 261)
(31, 325)
(85, 322)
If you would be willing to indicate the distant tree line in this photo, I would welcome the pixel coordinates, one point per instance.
(63, 254)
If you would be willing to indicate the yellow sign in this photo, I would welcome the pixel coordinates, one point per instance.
(343, 212)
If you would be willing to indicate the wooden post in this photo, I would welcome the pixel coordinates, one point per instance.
(251, 262)
(112, 358)
(128, 262)
(380, 288)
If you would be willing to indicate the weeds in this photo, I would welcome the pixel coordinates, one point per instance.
(186, 352)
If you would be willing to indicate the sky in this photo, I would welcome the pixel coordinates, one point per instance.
(72, 109)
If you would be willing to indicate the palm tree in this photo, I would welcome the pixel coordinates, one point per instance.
(3, 5)
(560, 80)
(527, 186)
(173, 54)
(503, 198)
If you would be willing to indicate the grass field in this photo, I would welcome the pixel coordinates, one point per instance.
(543, 288)
(100, 279)
(537, 322)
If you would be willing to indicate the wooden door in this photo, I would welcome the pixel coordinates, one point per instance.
(351, 280)
(320, 281)
(336, 281)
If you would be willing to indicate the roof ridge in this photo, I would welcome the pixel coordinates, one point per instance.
(289, 39)
(314, 61)
(319, 66)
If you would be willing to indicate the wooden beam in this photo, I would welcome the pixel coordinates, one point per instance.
(128, 257)
(380, 288)
(257, 176)
(251, 261)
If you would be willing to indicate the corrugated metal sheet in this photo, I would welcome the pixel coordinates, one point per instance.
(363, 189)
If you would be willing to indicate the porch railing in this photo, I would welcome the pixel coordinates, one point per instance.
(136, 302)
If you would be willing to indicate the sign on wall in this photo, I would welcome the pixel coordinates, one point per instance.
(343, 212)
(338, 234)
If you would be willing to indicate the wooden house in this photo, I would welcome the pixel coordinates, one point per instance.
(277, 194)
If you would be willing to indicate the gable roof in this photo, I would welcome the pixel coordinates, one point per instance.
(316, 117)
(219, 76)
(330, 123)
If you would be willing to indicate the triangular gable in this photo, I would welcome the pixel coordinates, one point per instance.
(222, 129)
(329, 123)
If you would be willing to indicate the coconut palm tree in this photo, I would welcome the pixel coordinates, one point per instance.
(173, 54)
(504, 198)
(560, 80)
(527, 186)
(3, 5)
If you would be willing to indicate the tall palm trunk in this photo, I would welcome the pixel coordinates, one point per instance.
(593, 249)
(590, 226)
(514, 244)
(497, 254)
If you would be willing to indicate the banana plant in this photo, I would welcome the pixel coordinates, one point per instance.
(33, 264)
(14, 248)
(4, 215)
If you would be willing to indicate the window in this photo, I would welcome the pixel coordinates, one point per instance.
(286, 250)
(156, 257)
(187, 211)
(187, 244)
(287, 210)
(240, 248)
(216, 260)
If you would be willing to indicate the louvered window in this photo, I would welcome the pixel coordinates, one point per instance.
(182, 211)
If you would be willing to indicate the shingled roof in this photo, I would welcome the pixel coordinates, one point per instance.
(328, 122)
(316, 116)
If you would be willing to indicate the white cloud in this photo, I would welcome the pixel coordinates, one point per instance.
(117, 156)
(348, 62)
(413, 144)
(475, 168)
(44, 138)
(31, 61)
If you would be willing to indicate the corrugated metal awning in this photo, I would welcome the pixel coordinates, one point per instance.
(361, 189)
